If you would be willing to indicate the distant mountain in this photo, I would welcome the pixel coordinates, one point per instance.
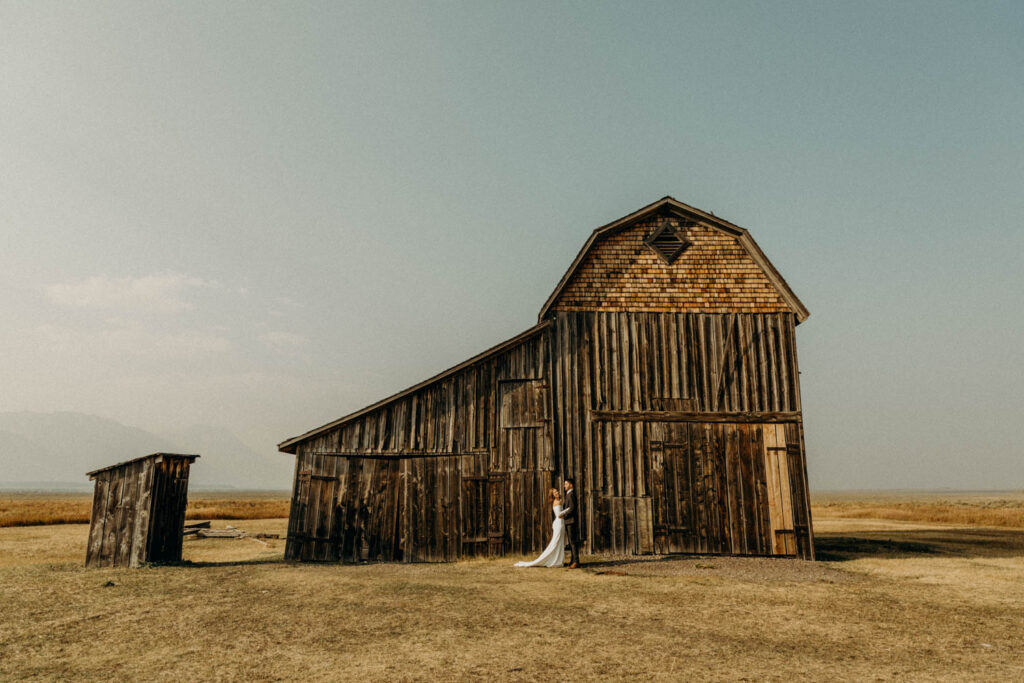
(22, 459)
(59, 448)
(227, 461)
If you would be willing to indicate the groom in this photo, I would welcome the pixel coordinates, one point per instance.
(570, 513)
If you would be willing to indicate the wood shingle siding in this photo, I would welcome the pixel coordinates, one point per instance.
(715, 274)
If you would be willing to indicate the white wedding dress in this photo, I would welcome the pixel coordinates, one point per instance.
(554, 554)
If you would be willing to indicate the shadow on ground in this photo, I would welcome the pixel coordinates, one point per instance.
(190, 564)
(952, 542)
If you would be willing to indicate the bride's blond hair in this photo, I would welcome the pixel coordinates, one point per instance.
(554, 495)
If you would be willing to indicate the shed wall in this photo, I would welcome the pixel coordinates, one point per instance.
(121, 510)
(138, 512)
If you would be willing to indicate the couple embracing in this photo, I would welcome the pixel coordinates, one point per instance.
(564, 526)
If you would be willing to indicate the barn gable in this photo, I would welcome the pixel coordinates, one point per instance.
(670, 257)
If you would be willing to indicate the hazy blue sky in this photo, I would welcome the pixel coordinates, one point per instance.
(265, 215)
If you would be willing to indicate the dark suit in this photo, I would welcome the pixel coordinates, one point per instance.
(570, 515)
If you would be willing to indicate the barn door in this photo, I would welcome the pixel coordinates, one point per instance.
(484, 512)
(475, 540)
(703, 491)
(524, 441)
(521, 468)
(779, 489)
(733, 488)
(684, 491)
(670, 496)
(314, 520)
(497, 513)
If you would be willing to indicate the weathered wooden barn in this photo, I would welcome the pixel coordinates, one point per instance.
(138, 510)
(662, 376)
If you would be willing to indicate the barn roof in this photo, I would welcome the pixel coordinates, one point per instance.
(676, 207)
(291, 444)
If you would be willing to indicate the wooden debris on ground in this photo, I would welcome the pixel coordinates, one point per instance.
(194, 527)
(203, 530)
(220, 533)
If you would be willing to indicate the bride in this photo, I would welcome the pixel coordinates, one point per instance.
(554, 554)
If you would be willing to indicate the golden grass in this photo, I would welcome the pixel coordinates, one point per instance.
(1005, 509)
(979, 509)
(32, 509)
(920, 602)
(237, 508)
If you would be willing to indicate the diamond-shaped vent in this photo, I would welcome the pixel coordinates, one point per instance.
(667, 242)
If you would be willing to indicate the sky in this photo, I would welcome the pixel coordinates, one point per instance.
(263, 216)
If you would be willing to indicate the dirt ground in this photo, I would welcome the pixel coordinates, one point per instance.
(890, 600)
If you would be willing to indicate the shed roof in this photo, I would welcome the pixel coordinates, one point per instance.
(676, 207)
(191, 458)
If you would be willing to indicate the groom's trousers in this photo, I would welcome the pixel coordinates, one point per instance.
(572, 530)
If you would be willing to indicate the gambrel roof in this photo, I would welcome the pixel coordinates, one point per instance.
(671, 206)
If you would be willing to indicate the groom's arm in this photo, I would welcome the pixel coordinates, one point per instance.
(570, 505)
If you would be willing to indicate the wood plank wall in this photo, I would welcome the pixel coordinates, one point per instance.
(457, 414)
(170, 498)
(138, 512)
(714, 489)
(642, 363)
(422, 509)
(459, 468)
(119, 524)
(489, 440)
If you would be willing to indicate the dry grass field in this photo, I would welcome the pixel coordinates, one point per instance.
(31, 509)
(890, 600)
(982, 508)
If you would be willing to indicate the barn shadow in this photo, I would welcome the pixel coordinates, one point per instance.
(966, 542)
(190, 564)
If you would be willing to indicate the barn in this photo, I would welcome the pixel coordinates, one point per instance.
(661, 375)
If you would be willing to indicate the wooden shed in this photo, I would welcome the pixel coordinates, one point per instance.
(138, 511)
(661, 375)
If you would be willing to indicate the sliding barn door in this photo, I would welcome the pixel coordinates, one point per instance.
(730, 488)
